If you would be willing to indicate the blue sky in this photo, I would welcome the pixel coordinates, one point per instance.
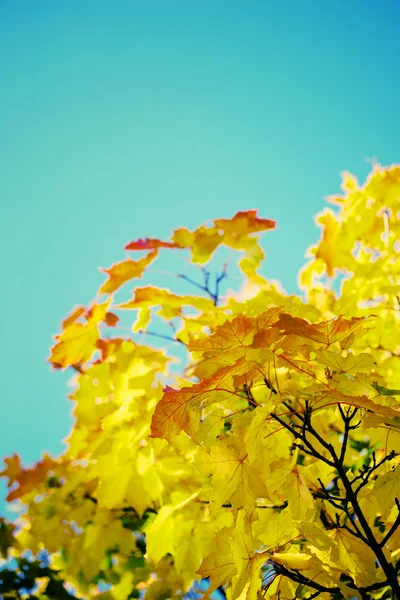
(127, 119)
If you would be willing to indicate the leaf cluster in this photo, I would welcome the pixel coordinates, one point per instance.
(269, 466)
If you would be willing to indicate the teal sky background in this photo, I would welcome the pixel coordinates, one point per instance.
(124, 119)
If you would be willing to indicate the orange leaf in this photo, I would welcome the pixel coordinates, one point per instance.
(77, 343)
(121, 272)
(111, 319)
(244, 223)
(180, 410)
(73, 316)
(238, 332)
(338, 329)
(26, 478)
(150, 244)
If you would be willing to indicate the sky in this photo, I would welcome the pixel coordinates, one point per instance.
(130, 118)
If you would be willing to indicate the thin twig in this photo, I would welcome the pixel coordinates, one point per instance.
(206, 286)
(369, 470)
(393, 528)
(160, 335)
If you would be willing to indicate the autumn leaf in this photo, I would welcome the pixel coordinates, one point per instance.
(235, 478)
(387, 490)
(219, 567)
(180, 410)
(239, 332)
(124, 271)
(244, 223)
(149, 244)
(26, 479)
(335, 330)
(77, 342)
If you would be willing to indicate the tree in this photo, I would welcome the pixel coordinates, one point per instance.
(268, 466)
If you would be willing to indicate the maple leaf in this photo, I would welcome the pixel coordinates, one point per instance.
(27, 479)
(387, 490)
(73, 316)
(150, 244)
(239, 332)
(360, 363)
(77, 342)
(275, 530)
(235, 233)
(329, 332)
(180, 410)
(149, 297)
(219, 567)
(235, 478)
(244, 223)
(124, 271)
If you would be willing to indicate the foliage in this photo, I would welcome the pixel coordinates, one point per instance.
(269, 466)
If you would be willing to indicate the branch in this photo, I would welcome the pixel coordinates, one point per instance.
(302, 437)
(393, 527)
(218, 280)
(364, 532)
(292, 411)
(314, 432)
(298, 578)
(274, 506)
(346, 420)
(270, 386)
(375, 546)
(249, 396)
(357, 534)
(198, 285)
(160, 335)
(374, 586)
(334, 501)
(369, 470)
(206, 286)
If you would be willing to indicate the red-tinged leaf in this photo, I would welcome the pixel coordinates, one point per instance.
(109, 347)
(150, 244)
(26, 479)
(77, 342)
(364, 402)
(244, 223)
(235, 333)
(73, 316)
(111, 319)
(12, 469)
(75, 345)
(238, 332)
(338, 329)
(180, 410)
(124, 271)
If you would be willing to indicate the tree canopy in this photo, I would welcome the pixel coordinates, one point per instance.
(258, 454)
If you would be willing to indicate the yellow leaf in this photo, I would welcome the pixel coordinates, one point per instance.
(300, 562)
(387, 489)
(124, 271)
